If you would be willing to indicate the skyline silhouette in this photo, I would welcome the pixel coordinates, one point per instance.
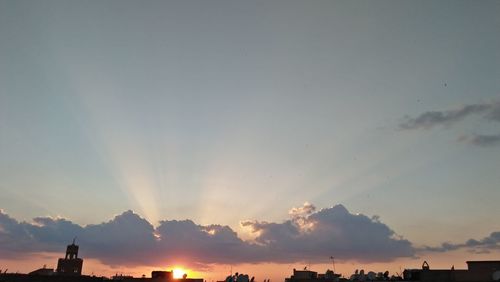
(69, 268)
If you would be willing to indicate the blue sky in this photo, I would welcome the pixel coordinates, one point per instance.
(223, 111)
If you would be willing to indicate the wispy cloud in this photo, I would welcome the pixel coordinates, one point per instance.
(484, 245)
(129, 239)
(481, 140)
(487, 111)
(427, 120)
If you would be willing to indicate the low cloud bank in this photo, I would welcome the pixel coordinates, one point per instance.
(129, 239)
(333, 231)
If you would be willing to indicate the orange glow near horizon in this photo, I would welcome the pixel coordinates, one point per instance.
(261, 271)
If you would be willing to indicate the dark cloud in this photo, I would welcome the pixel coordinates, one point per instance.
(484, 245)
(205, 244)
(489, 111)
(118, 240)
(332, 231)
(14, 237)
(129, 239)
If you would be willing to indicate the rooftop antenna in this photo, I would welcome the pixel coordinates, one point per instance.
(333, 263)
(74, 239)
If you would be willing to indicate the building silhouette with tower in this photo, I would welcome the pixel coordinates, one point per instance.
(69, 269)
(71, 264)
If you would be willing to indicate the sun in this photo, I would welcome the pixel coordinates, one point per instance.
(179, 272)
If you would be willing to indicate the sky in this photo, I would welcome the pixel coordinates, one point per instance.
(264, 135)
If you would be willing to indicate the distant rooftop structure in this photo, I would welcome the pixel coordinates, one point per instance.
(43, 271)
(312, 276)
(477, 271)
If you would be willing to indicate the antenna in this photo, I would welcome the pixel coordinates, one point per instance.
(74, 239)
(333, 263)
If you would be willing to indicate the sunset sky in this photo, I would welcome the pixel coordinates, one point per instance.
(258, 135)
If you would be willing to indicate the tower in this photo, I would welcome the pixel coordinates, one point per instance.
(70, 264)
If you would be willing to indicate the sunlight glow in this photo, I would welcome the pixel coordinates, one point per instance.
(179, 272)
(129, 161)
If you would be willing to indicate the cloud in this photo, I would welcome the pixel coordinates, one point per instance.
(205, 244)
(427, 120)
(129, 239)
(484, 245)
(118, 240)
(487, 111)
(481, 140)
(14, 237)
(305, 209)
(430, 119)
(332, 231)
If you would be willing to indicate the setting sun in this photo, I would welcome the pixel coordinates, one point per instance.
(179, 272)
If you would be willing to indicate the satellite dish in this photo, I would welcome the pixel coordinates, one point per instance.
(496, 275)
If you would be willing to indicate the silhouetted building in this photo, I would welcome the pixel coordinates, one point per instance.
(156, 276)
(122, 277)
(312, 276)
(70, 264)
(17, 277)
(477, 271)
(69, 269)
(166, 275)
(43, 271)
